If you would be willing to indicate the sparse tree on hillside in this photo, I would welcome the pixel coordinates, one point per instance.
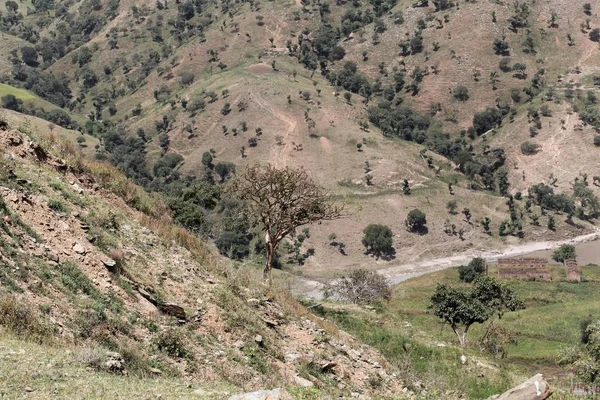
(29, 55)
(461, 93)
(462, 307)
(377, 240)
(416, 221)
(451, 206)
(486, 224)
(281, 200)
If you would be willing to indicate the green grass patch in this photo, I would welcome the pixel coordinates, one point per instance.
(18, 93)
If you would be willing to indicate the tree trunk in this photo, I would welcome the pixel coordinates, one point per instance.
(462, 336)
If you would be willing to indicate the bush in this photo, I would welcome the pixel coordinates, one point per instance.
(19, 317)
(57, 206)
(597, 140)
(529, 148)
(171, 343)
(564, 252)
(468, 273)
(377, 239)
(186, 78)
(360, 286)
(416, 221)
(461, 93)
(235, 245)
(486, 120)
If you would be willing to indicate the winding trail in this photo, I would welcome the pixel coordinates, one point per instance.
(401, 273)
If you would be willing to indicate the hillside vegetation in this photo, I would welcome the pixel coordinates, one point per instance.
(392, 105)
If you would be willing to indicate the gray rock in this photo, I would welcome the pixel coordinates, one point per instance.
(300, 381)
(79, 248)
(275, 394)
(535, 388)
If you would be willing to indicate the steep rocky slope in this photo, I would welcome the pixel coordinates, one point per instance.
(82, 267)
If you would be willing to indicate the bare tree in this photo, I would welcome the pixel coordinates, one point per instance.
(281, 200)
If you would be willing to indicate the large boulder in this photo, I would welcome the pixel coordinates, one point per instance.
(535, 388)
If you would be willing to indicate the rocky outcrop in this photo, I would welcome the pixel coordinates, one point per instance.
(535, 388)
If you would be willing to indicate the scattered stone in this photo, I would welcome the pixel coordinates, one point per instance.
(463, 359)
(54, 257)
(328, 366)
(238, 344)
(291, 357)
(258, 339)
(300, 381)
(275, 394)
(173, 310)
(253, 302)
(114, 362)
(110, 264)
(78, 189)
(155, 371)
(28, 389)
(79, 249)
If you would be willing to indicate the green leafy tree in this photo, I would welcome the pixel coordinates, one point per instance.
(468, 273)
(378, 240)
(564, 252)
(462, 307)
(461, 93)
(416, 221)
(224, 170)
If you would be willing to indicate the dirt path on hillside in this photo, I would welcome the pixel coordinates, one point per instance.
(401, 273)
(277, 156)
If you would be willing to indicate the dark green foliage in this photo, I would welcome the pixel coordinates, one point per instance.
(29, 55)
(416, 221)
(461, 93)
(468, 273)
(11, 102)
(529, 148)
(564, 252)
(544, 196)
(399, 121)
(167, 164)
(501, 47)
(224, 170)
(235, 245)
(462, 307)
(377, 240)
(486, 120)
(595, 35)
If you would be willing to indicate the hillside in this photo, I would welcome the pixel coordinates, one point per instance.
(362, 95)
(131, 295)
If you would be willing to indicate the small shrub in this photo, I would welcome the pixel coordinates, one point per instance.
(468, 273)
(17, 316)
(171, 343)
(360, 286)
(57, 206)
